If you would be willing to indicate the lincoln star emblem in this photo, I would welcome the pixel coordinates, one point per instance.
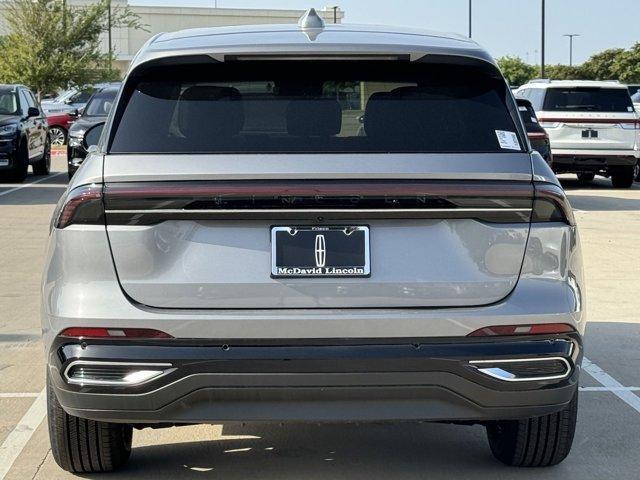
(321, 251)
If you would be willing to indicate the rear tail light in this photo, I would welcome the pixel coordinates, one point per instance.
(537, 136)
(507, 330)
(82, 205)
(99, 332)
(550, 204)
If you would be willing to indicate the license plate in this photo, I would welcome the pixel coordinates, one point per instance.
(320, 251)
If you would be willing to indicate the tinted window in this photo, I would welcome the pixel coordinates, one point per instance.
(588, 99)
(536, 96)
(100, 104)
(31, 102)
(82, 96)
(8, 102)
(291, 107)
(32, 99)
(24, 103)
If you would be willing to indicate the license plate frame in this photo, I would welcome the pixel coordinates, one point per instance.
(320, 260)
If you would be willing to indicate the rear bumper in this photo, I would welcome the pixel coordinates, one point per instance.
(363, 380)
(578, 160)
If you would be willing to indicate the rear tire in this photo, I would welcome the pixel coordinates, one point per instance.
(636, 172)
(534, 442)
(585, 178)
(43, 166)
(622, 177)
(85, 446)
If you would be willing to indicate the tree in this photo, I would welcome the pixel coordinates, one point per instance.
(601, 65)
(565, 72)
(51, 46)
(626, 66)
(516, 71)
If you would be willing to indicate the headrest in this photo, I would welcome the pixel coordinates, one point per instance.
(210, 112)
(376, 113)
(317, 117)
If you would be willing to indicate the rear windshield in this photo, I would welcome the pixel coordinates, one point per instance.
(588, 99)
(313, 107)
(529, 118)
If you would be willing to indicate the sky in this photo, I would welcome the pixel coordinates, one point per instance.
(504, 27)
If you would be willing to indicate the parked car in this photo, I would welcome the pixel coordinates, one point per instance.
(23, 134)
(538, 137)
(95, 112)
(59, 125)
(72, 99)
(233, 250)
(592, 126)
(633, 89)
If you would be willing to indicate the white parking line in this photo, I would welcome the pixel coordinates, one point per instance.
(25, 185)
(21, 433)
(608, 389)
(19, 395)
(612, 384)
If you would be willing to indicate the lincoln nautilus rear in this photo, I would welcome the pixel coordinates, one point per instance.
(312, 223)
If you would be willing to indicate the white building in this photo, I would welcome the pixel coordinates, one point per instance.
(126, 42)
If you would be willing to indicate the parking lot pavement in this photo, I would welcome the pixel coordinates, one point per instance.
(606, 446)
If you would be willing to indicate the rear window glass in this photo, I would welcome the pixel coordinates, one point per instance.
(528, 116)
(588, 99)
(312, 107)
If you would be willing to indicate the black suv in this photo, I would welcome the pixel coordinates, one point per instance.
(24, 138)
(95, 112)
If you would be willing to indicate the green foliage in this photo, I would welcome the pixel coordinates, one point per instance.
(626, 66)
(51, 45)
(611, 64)
(564, 72)
(601, 65)
(516, 71)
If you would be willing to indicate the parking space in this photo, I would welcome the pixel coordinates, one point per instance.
(609, 405)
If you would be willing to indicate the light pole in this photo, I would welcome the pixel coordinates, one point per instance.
(335, 13)
(542, 48)
(109, 34)
(571, 35)
(470, 15)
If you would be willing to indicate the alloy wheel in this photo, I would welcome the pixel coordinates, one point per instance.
(57, 136)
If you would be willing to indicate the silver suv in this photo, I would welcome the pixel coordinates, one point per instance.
(312, 223)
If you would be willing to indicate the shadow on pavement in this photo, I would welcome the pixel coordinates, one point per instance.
(43, 193)
(603, 204)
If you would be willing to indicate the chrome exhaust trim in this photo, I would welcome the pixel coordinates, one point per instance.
(89, 372)
(501, 372)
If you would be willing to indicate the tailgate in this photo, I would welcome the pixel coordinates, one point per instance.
(593, 131)
(445, 230)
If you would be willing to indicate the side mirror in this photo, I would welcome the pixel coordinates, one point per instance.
(92, 136)
(74, 113)
(68, 101)
(33, 112)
